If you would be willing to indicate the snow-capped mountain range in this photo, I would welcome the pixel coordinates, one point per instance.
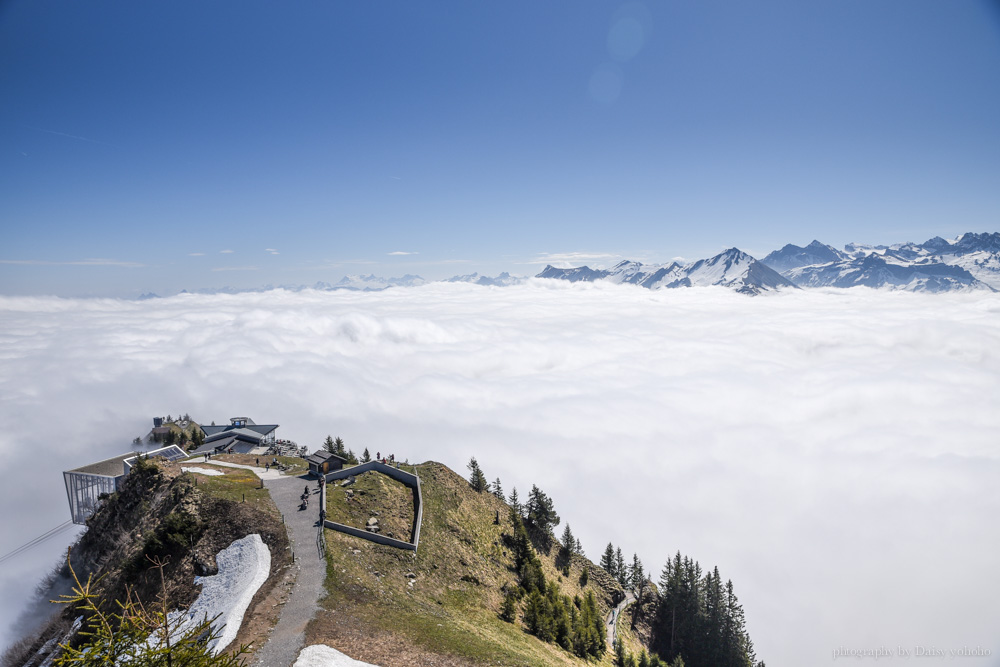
(371, 283)
(968, 262)
(733, 269)
(502, 280)
(971, 261)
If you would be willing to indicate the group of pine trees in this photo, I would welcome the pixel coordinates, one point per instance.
(571, 545)
(573, 623)
(625, 659)
(539, 512)
(699, 618)
(630, 576)
(190, 439)
(336, 446)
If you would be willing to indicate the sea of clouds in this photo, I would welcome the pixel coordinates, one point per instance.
(833, 452)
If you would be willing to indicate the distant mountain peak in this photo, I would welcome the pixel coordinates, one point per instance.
(793, 256)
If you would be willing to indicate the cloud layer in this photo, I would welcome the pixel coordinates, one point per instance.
(834, 453)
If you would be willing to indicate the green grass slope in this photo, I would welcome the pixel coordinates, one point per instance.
(441, 604)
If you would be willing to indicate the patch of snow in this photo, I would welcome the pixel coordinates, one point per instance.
(203, 471)
(319, 655)
(243, 568)
(263, 473)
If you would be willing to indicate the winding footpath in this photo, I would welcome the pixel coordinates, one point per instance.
(288, 636)
(613, 618)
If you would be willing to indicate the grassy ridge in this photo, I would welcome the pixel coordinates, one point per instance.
(441, 604)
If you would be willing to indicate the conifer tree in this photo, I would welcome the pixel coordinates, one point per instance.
(365, 456)
(508, 611)
(477, 480)
(636, 574)
(329, 445)
(621, 573)
(541, 511)
(515, 503)
(133, 634)
(568, 540)
(497, 489)
(608, 559)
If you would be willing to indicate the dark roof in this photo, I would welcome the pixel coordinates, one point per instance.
(215, 446)
(319, 457)
(207, 448)
(244, 434)
(262, 429)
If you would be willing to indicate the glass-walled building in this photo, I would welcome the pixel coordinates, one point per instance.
(85, 485)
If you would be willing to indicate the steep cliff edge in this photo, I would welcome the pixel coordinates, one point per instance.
(182, 519)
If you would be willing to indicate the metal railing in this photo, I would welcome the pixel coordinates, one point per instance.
(320, 534)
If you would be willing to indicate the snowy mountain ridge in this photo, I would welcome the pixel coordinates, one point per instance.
(731, 268)
(969, 262)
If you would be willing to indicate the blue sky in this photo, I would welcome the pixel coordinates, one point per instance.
(312, 139)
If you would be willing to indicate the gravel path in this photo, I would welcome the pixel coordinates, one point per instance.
(613, 618)
(288, 636)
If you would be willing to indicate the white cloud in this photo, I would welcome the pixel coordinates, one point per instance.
(272, 251)
(196, 254)
(226, 252)
(401, 252)
(234, 268)
(834, 453)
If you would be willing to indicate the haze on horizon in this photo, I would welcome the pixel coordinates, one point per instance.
(155, 147)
